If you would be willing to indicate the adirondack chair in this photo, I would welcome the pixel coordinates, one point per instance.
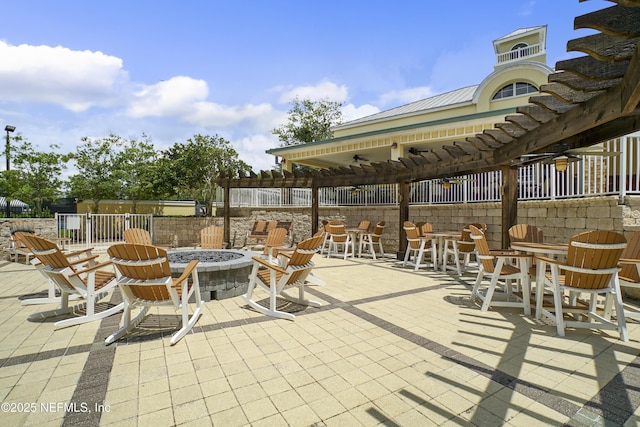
(326, 235)
(369, 240)
(288, 226)
(463, 248)
(276, 279)
(275, 240)
(91, 282)
(495, 265)
(137, 236)
(629, 275)
(51, 298)
(591, 269)
(17, 246)
(260, 230)
(525, 233)
(339, 238)
(145, 281)
(419, 247)
(212, 237)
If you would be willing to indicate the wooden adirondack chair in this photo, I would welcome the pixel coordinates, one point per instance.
(212, 237)
(369, 240)
(277, 279)
(275, 240)
(91, 282)
(629, 275)
(145, 281)
(260, 230)
(137, 236)
(19, 246)
(419, 247)
(525, 233)
(591, 269)
(461, 249)
(494, 264)
(339, 238)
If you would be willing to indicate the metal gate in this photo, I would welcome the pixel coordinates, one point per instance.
(98, 231)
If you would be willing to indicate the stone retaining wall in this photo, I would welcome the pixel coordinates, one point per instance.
(559, 219)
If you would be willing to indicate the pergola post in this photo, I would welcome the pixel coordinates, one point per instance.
(315, 209)
(403, 215)
(227, 214)
(509, 201)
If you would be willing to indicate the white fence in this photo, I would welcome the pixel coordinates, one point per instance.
(594, 175)
(99, 231)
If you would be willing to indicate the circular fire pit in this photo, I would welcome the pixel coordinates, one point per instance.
(222, 273)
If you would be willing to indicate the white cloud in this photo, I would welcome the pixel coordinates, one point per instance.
(251, 150)
(405, 96)
(77, 80)
(171, 97)
(322, 90)
(185, 98)
(351, 112)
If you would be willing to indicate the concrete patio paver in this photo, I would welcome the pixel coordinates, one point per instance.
(388, 346)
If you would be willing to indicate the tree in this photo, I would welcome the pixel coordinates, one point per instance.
(189, 170)
(309, 121)
(38, 174)
(99, 174)
(137, 163)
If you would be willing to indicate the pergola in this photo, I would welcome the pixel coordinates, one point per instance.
(587, 100)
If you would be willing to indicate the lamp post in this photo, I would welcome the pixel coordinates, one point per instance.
(7, 153)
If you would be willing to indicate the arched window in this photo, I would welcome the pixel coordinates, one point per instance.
(514, 89)
(519, 50)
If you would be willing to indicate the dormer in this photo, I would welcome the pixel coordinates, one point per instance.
(525, 44)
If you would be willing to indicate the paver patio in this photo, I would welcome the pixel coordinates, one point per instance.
(390, 346)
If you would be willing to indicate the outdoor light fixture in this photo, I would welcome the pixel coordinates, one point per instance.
(9, 129)
(561, 163)
(446, 184)
(394, 145)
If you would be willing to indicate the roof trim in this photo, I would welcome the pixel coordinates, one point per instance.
(500, 112)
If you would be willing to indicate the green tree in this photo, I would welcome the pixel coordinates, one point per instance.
(99, 174)
(309, 121)
(136, 164)
(188, 170)
(38, 174)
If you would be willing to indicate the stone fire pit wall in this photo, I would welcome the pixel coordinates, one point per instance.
(222, 273)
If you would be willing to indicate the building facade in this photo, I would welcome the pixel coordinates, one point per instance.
(422, 126)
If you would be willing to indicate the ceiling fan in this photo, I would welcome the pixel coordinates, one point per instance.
(359, 158)
(355, 189)
(414, 151)
(561, 155)
(446, 182)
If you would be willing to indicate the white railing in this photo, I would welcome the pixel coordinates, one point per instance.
(593, 175)
(99, 231)
(517, 54)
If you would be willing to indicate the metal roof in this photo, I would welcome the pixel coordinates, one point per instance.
(438, 102)
(519, 32)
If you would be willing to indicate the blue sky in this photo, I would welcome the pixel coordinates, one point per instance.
(173, 69)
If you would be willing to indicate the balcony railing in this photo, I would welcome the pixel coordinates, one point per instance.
(593, 175)
(517, 54)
